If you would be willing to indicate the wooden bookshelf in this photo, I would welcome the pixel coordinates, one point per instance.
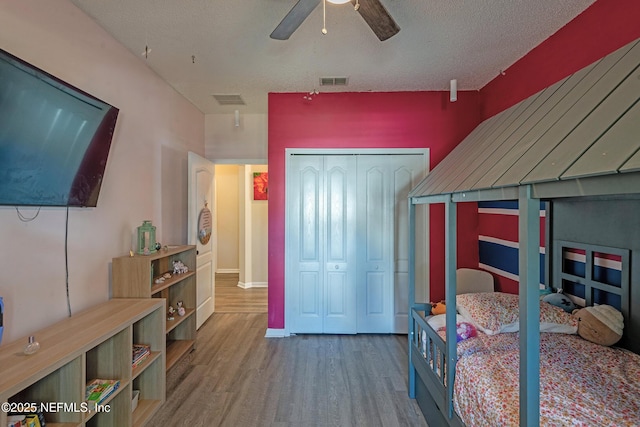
(177, 349)
(96, 343)
(135, 277)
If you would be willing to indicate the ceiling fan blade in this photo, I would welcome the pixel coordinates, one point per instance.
(294, 18)
(377, 17)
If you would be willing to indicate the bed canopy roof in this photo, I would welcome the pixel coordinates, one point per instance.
(578, 137)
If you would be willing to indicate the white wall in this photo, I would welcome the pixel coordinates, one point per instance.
(253, 231)
(145, 177)
(228, 218)
(259, 234)
(226, 143)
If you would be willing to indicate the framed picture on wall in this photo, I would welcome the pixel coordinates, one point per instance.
(260, 186)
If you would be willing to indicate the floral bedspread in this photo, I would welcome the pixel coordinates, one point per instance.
(581, 383)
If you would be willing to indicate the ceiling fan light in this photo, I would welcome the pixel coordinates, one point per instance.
(338, 1)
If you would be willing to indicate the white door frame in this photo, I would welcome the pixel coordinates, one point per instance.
(289, 152)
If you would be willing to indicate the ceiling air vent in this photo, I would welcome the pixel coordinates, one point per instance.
(228, 99)
(334, 81)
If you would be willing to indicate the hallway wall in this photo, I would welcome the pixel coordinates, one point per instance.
(228, 218)
(241, 225)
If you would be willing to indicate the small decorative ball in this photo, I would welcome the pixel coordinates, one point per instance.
(158, 246)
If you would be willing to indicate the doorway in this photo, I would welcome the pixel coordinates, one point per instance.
(241, 273)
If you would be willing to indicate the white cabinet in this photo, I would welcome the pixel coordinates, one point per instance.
(345, 270)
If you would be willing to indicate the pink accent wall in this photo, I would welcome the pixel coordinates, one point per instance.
(601, 29)
(364, 120)
(427, 119)
(466, 243)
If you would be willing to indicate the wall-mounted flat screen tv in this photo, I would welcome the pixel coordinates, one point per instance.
(54, 138)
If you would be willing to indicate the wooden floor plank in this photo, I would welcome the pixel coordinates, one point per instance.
(230, 298)
(238, 377)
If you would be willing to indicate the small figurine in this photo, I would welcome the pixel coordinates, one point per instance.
(179, 267)
(158, 246)
(181, 309)
(167, 275)
(159, 280)
(171, 313)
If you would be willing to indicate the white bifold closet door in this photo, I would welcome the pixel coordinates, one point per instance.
(323, 199)
(346, 220)
(384, 182)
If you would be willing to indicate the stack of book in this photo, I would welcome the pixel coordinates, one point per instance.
(26, 420)
(140, 353)
(98, 390)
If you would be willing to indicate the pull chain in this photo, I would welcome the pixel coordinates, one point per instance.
(324, 17)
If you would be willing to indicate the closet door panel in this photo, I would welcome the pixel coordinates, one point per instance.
(375, 212)
(309, 212)
(340, 291)
(375, 225)
(337, 289)
(306, 241)
(309, 290)
(407, 172)
(375, 294)
(337, 213)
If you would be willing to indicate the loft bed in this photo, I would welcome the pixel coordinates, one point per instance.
(574, 144)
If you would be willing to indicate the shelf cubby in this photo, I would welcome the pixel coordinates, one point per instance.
(135, 277)
(95, 343)
(151, 391)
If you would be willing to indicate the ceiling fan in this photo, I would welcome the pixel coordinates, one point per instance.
(372, 11)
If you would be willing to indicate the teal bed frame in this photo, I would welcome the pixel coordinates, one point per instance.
(431, 384)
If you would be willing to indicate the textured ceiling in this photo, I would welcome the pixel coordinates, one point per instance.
(439, 40)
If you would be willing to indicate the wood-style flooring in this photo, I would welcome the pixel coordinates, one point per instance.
(229, 298)
(237, 377)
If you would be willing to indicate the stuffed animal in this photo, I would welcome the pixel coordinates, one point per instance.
(438, 308)
(464, 330)
(601, 324)
(560, 300)
(181, 310)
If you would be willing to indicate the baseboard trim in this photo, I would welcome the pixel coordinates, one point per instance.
(249, 285)
(276, 333)
(228, 271)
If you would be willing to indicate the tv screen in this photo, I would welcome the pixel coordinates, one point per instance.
(54, 138)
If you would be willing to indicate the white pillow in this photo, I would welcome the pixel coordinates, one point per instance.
(440, 321)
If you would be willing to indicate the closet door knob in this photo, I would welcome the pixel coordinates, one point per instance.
(337, 266)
